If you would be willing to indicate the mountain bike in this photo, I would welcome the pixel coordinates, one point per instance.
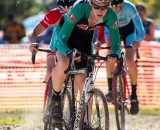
(92, 112)
(120, 89)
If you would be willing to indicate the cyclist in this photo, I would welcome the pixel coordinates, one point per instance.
(52, 17)
(132, 33)
(148, 23)
(75, 30)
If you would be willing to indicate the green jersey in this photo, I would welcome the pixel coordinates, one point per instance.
(73, 30)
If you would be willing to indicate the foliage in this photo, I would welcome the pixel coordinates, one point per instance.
(20, 8)
(152, 7)
(17, 7)
(25, 8)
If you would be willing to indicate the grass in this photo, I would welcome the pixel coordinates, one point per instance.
(8, 120)
(17, 117)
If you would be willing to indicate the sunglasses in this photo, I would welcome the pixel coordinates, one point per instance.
(96, 7)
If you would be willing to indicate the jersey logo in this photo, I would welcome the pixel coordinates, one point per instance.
(71, 17)
(115, 24)
(82, 26)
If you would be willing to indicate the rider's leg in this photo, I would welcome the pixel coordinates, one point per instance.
(50, 65)
(132, 71)
(132, 68)
(109, 70)
(58, 75)
(58, 78)
(80, 83)
(110, 66)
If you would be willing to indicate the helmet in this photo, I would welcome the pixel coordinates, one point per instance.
(107, 2)
(65, 3)
(116, 2)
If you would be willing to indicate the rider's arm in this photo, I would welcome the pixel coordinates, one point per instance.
(36, 31)
(70, 19)
(100, 35)
(52, 17)
(137, 23)
(114, 32)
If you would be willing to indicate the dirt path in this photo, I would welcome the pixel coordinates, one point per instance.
(138, 122)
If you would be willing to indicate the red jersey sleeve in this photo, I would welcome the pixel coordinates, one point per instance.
(52, 17)
(100, 36)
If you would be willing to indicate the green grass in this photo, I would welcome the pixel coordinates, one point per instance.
(11, 120)
(150, 111)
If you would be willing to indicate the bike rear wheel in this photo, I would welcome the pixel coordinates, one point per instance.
(98, 113)
(66, 109)
(47, 117)
(119, 101)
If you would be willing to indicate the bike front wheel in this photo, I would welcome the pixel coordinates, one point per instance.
(67, 109)
(98, 115)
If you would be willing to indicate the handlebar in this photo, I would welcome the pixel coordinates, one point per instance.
(92, 57)
(33, 56)
(40, 49)
(137, 50)
(34, 53)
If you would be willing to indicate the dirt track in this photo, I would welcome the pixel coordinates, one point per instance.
(138, 122)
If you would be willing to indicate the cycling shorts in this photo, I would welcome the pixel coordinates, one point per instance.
(128, 34)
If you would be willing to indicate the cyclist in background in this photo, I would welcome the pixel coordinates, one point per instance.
(75, 30)
(52, 17)
(132, 33)
(148, 23)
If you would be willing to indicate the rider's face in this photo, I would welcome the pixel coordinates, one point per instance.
(99, 9)
(117, 8)
(65, 9)
(141, 11)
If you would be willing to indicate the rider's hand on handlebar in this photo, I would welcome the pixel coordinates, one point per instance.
(135, 45)
(33, 46)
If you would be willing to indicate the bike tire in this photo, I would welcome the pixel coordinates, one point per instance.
(99, 114)
(47, 117)
(119, 101)
(67, 109)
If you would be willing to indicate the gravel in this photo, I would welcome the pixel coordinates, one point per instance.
(33, 121)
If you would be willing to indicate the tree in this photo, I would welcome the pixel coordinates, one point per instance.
(21, 8)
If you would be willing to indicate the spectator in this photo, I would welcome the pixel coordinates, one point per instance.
(148, 23)
(13, 31)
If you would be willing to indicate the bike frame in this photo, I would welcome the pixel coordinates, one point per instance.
(83, 105)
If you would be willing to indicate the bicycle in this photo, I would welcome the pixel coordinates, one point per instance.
(76, 118)
(120, 89)
(48, 91)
